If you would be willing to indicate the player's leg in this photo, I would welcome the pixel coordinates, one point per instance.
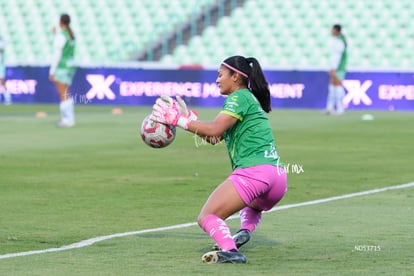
(66, 105)
(63, 79)
(339, 98)
(339, 92)
(250, 216)
(62, 89)
(222, 203)
(3, 88)
(249, 219)
(275, 193)
(330, 102)
(6, 94)
(260, 187)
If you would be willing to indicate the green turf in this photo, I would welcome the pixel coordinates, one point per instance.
(60, 186)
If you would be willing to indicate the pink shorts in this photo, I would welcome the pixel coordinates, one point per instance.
(265, 185)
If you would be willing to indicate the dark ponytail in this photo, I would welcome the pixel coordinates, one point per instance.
(258, 84)
(255, 81)
(65, 20)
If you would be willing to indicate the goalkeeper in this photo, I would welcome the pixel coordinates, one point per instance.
(258, 181)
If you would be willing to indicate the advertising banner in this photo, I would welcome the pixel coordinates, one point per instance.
(289, 89)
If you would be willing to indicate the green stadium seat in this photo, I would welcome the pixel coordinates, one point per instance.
(286, 33)
(159, 17)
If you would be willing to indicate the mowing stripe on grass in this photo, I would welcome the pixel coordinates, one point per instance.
(91, 241)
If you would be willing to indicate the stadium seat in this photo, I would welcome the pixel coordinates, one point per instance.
(284, 33)
(141, 20)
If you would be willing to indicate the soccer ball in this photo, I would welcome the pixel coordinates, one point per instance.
(156, 135)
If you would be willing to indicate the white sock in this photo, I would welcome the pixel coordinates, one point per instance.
(67, 111)
(6, 95)
(331, 98)
(62, 110)
(339, 98)
(70, 110)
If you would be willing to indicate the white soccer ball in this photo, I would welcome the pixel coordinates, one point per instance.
(156, 135)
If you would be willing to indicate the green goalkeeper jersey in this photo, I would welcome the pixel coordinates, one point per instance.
(250, 140)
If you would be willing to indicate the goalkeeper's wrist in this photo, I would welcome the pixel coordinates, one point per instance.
(183, 122)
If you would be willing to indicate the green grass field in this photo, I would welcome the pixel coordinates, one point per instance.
(62, 186)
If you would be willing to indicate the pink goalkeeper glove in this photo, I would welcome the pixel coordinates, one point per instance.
(182, 107)
(171, 112)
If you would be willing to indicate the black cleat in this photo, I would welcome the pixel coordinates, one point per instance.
(221, 257)
(241, 237)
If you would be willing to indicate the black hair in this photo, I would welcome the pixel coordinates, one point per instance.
(65, 20)
(337, 27)
(256, 80)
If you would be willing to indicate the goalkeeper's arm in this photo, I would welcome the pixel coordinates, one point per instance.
(214, 128)
(167, 111)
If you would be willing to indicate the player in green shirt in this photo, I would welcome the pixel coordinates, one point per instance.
(251, 122)
(62, 69)
(258, 181)
(336, 92)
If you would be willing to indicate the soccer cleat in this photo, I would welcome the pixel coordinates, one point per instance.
(328, 112)
(64, 124)
(215, 247)
(222, 257)
(241, 237)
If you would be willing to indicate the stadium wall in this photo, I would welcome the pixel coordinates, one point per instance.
(137, 86)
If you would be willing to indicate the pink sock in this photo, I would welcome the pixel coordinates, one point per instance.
(249, 219)
(219, 231)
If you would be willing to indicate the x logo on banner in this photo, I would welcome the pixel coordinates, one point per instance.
(357, 92)
(100, 87)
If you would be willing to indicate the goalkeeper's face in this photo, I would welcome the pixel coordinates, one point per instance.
(224, 81)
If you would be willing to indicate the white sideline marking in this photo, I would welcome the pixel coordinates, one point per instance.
(91, 241)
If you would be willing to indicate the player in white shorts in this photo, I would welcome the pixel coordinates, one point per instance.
(336, 92)
(62, 69)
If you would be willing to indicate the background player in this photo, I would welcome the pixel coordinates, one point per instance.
(257, 182)
(62, 69)
(6, 94)
(337, 71)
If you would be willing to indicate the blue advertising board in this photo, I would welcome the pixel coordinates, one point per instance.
(289, 89)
